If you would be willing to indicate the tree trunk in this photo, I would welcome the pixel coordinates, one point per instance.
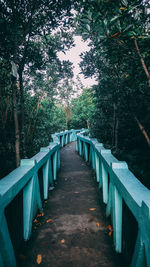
(116, 134)
(142, 62)
(143, 131)
(16, 123)
(88, 124)
(114, 123)
(4, 115)
(35, 120)
(22, 115)
(6, 111)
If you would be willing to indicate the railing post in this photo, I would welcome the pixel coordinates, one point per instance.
(109, 203)
(46, 179)
(138, 258)
(7, 256)
(117, 220)
(63, 140)
(80, 148)
(58, 159)
(55, 165)
(85, 151)
(117, 209)
(104, 184)
(93, 160)
(31, 199)
(97, 161)
(46, 173)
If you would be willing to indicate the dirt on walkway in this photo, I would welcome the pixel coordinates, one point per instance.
(73, 231)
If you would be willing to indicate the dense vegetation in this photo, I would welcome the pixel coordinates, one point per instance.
(120, 59)
(42, 98)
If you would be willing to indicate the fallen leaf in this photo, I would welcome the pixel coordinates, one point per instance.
(39, 258)
(22, 257)
(109, 227)
(110, 233)
(76, 192)
(35, 221)
(97, 224)
(40, 214)
(62, 241)
(92, 209)
(48, 221)
(110, 230)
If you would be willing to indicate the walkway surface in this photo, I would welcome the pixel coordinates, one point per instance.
(73, 230)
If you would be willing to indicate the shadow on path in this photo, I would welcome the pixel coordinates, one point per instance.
(69, 233)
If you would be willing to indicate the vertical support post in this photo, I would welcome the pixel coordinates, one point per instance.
(104, 183)
(80, 148)
(97, 166)
(93, 159)
(7, 256)
(117, 220)
(90, 157)
(50, 172)
(86, 151)
(100, 173)
(58, 159)
(77, 145)
(63, 138)
(109, 202)
(55, 165)
(28, 199)
(46, 179)
(117, 207)
(31, 199)
(138, 258)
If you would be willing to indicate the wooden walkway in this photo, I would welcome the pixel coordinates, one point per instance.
(72, 230)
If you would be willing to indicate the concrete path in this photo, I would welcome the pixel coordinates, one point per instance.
(73, 231)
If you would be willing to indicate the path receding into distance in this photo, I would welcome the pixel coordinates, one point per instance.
(73, 231)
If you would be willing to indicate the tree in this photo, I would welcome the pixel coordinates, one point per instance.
(119, 58)
(82, 108)
(28, 41)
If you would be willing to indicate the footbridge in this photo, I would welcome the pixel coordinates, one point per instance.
(74, 204)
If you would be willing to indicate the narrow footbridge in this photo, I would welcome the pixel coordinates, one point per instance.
(76, 206)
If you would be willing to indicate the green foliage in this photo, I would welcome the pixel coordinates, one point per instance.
(40, 125)
(32, 33)
(122, 93)
(82, 109)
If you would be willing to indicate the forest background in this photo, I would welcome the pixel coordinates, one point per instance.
(39, 96)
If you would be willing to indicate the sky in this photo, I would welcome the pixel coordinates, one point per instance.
(74, 56)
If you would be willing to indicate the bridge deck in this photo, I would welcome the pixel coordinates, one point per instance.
(69, 233)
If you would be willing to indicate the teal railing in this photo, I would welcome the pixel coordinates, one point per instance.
(118, 184)
(25, 179)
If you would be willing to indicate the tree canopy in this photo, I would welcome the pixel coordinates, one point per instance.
(38, 95)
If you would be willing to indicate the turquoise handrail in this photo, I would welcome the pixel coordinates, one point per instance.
(25, 178)
(122, 185)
